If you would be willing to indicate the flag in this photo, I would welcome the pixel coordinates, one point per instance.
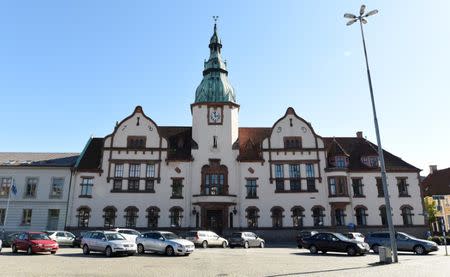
(14, 188)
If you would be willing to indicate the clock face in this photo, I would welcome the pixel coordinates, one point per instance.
(215, 116)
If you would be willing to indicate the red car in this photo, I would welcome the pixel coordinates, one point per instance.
(34, 242)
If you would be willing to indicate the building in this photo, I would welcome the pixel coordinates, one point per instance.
(437, 183)
(42, 182)
(217, 175)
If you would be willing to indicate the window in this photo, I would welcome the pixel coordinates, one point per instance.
(150, 185)
(5, 184)
(294, 175)
(357, 187)
(293, 142)
(341, 161)
(318, 215)
(31, 187)
(117, 184)
(86, 187)
(214, 184)
(131, 215)
(176, 214)
(361, 215)
(57, 188)
(407, 215)
(152, 217)
(134, 142)
(135, 171)
(310, 177)
(251, 188)
(26, 216)
(277, 217)
(83, 216)
(214, 141)
(380, 187)
(133, 185)
(118, 171)
(383, 215)
(150, 171)
(252, 217)
(177, 188)
(370, 161)
(109, 213)
(402, 187)
(2, 216)
(279, 177)
(337, 186)
(339, 217)
(297, 216)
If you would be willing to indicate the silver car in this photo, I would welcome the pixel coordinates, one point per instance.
(164, 242)
(107, 242)
(206, 238)
(62, 237)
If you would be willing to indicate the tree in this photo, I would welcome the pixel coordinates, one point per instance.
(431, 211)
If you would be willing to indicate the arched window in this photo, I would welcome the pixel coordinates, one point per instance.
(361, 215)
(131, 215)
(339, 217)
(152, 216)
(297, 216)
(277, 216)
(84, 213)
(214, 178)
(407, 215)
(109, 213)
(252, 217)
(176, 214)
(383, 215)
(318, 215)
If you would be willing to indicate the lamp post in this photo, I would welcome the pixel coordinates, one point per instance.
(362, 20)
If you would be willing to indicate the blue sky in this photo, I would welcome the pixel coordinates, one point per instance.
(71, 69)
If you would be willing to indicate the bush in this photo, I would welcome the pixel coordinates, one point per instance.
(437, 239)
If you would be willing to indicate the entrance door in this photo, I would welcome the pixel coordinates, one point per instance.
(53, 218)
(214, 220)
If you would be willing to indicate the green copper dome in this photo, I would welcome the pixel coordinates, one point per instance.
(215, 86)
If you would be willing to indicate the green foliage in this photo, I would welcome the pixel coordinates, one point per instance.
(431, 211)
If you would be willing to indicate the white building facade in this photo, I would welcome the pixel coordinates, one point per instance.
(42, 182)
(217, 175)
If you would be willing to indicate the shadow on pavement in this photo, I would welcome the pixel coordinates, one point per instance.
(325, 270)
(335, 254)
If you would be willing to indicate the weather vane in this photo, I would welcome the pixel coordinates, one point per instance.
(215, 17)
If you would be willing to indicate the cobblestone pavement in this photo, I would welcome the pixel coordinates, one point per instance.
(276, 261)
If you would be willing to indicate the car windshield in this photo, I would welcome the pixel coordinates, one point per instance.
(341, 237)
(114, 236)
(70, 235)
(170, 236)
(39, 236)
(236, 235)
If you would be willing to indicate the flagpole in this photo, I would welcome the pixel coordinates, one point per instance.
(7, 203)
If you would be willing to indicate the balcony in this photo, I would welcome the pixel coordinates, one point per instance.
(230, 199)
(339, 199)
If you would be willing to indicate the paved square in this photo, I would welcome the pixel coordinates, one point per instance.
(277, 261)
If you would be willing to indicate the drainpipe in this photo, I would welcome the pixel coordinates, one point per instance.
(68, 197)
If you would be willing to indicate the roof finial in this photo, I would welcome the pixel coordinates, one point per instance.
(215, 17)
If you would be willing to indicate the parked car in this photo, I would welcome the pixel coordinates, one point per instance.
(129, 234)
(62, 237)
(304, 234)
(1, 243)
(356, 236)
(405, 242)
(77, 240)
(7, 241)
(108, 242)
(34, 242)
(206, 238)
(246, 240)
(334, 242)
(164, 242)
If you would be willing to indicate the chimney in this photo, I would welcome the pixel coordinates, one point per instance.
(359, 134)
(433, 168)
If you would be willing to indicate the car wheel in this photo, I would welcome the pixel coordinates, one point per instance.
(324, 251)
(419, 250)
(29, 250)
(224, 244)
(170, 251)
(53, 252)
(375, 248)
(108, 251)
(313, 249)
(261, 245)
(86, 249)
(299, 246)
(246, 245)
(14, 248)
(231, 246)
(205, 244)
(351, 251)
(187, 254)
(140, 249)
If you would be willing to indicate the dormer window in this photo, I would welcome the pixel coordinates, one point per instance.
(293, 142)
(370, 161)
(134, 142)
(339, 161)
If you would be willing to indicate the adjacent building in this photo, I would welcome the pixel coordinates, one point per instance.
(40, 197)
(218, 175)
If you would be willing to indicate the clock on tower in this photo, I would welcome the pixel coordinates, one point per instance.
(215, 115)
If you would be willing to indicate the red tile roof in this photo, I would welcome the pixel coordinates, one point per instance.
(437, 183)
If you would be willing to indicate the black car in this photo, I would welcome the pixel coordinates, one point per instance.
(246, 240)
(77, 240)
(303, 235)
(8, 239)
(334, 242)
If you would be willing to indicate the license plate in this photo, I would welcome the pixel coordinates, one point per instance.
(48, 249)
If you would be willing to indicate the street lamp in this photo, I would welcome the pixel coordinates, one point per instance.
(362, 18)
